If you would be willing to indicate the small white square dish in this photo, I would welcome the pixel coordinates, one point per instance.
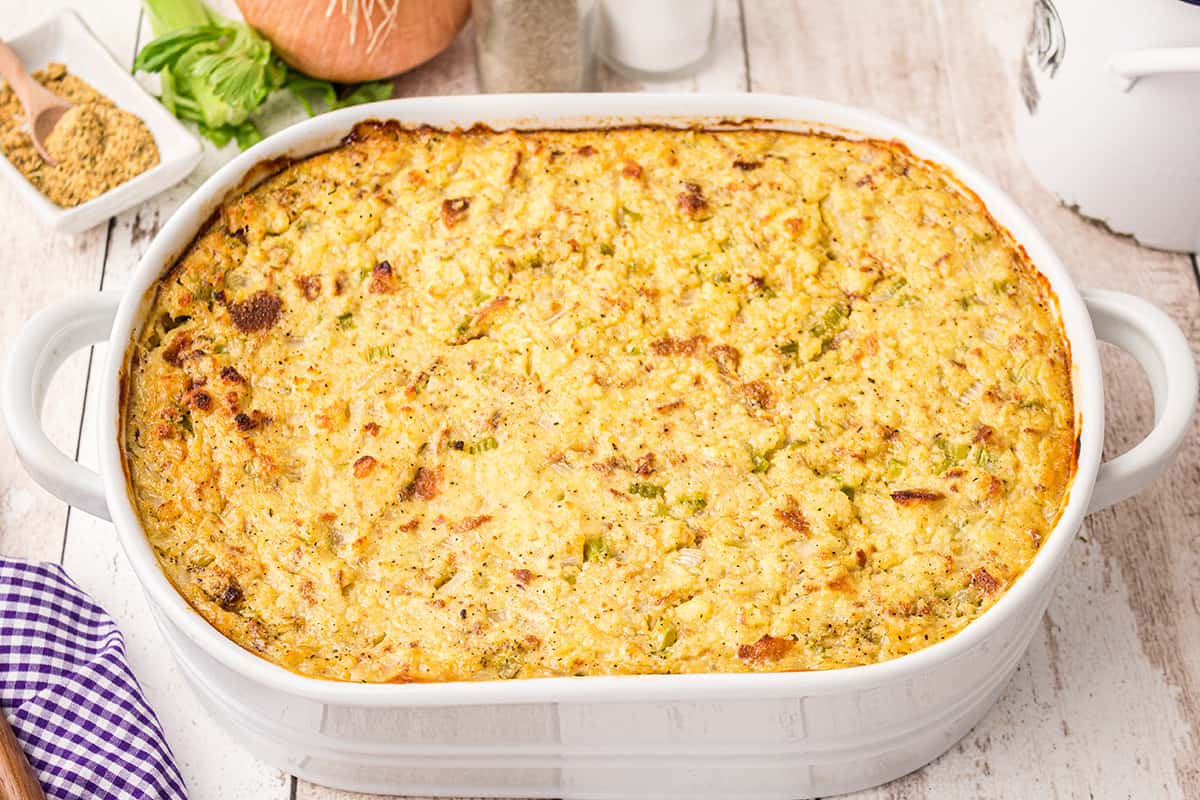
(65, 38)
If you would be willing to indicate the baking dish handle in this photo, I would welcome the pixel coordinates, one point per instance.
(39, 350)
(1150, 336)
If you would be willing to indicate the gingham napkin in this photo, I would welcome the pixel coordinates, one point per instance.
(70, 696)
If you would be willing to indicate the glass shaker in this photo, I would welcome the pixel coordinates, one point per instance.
(531, 45)
(655, 39)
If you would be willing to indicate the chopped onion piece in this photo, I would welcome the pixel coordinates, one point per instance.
(971, 394)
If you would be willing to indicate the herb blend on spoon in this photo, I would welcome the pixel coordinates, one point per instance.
(96, 145)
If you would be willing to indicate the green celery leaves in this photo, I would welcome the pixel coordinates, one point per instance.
(218, 72)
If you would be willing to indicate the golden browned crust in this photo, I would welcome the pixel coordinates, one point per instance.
(475, 405)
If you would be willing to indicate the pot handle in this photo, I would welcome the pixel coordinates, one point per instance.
(1150, 336)
(1132, 65)
(39, 350)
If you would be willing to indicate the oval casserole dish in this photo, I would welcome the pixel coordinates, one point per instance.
(472, 405)
(788, 734)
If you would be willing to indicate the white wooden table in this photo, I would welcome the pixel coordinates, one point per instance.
(1107, 701)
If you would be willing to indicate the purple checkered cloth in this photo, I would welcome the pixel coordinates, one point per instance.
(70, 696)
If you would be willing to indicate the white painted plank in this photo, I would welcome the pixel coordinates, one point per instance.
(882, 56)
(38, 269)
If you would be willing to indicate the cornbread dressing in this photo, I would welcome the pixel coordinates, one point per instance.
(452, 406)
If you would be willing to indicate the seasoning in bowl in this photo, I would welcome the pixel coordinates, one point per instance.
(97, 146)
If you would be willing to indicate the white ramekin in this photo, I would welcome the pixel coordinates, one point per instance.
(783, 735)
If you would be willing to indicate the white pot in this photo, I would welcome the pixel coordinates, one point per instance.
(1109, 114)
(786, 735)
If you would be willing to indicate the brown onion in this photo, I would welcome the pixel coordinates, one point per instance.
(356, 40)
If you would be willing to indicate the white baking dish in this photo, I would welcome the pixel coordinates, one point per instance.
(784, 735)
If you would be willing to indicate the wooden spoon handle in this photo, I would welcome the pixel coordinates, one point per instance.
(17, 780)
(13, 72)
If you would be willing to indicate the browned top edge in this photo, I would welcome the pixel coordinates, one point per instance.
(1045, 290)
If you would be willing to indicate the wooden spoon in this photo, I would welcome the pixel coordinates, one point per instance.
(17, 780)
(43, 107)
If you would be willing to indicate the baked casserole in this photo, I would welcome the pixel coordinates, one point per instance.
(471, 405)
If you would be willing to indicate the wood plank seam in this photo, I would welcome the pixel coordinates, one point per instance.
(944, 47)
(745, 46)
(87, 380)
